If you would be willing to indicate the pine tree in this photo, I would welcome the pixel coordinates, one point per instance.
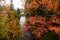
(17, 14)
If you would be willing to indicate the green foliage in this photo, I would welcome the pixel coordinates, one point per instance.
(40, 11)
(26, 15)
(50, 35)
(3, 33)
(17, 14)
(18, 11)
(37, 24)
(50, 12)
(48, 18)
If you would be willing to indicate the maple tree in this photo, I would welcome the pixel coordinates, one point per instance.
(41, 16)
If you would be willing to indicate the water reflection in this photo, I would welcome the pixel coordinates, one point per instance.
(22, 21)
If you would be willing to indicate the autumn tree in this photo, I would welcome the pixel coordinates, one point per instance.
(9, 24)
(39, 16)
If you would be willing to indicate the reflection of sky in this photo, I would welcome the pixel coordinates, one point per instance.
(22, 20)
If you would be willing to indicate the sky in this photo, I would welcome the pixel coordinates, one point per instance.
(17, 3)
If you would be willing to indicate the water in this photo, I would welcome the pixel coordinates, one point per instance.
(22, 21)
(27, 33)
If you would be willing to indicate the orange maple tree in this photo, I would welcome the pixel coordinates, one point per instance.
(42, 16)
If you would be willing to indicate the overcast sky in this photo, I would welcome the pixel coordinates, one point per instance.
(17, 3)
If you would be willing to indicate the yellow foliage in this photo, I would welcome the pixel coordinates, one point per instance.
(12, 12)
(9, 24)
(55, 6)
(3, 18)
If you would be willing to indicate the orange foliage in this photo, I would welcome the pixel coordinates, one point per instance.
(34, 4)
(28, 5)
(40, 28)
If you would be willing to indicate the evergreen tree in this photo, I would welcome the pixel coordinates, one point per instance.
(17, 14)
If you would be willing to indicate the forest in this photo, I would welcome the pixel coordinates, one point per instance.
(42, 21)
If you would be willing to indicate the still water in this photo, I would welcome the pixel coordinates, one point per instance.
(22, 21)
